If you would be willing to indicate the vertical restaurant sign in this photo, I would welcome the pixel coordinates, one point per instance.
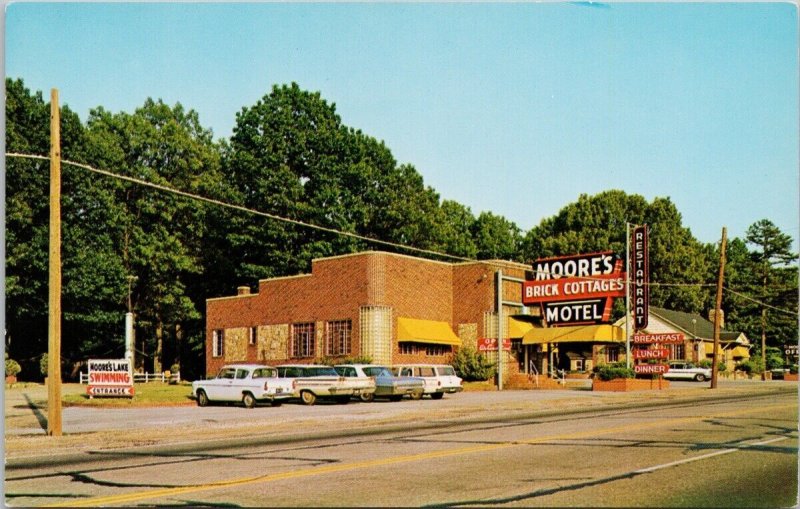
(577, 289)
(110, 377)
(640, 266)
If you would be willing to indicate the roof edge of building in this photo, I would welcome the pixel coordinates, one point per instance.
(226, 297)
(377, 253)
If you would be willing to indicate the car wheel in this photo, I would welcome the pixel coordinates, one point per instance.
(202, 398)
(367, 398)
(308, 397)
(248, 400)
(700, 377)
(416, 396)
(437, 395)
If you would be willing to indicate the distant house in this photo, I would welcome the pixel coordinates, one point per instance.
(734, 347)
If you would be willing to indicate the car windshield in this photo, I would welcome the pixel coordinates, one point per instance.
(321, 371)
(229, 373)
(376, 371)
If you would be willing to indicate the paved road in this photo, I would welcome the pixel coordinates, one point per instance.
(686, 450)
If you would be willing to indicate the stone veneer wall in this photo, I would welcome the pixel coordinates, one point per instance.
(236, 344)
(273, 342)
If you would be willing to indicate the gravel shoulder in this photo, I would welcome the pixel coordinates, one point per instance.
(92, 429)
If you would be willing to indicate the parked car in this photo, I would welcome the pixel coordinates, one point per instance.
(439, 378)
(314, 381)
(386, 384)
(248, 383)
(682, 370)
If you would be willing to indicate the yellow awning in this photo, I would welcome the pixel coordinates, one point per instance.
(582, 333)
(518, 328)
(426, 331)
(741, 351)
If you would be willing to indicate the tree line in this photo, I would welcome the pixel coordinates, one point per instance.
(126, 246)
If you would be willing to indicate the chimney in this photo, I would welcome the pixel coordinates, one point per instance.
(243, 290)
(721, 318)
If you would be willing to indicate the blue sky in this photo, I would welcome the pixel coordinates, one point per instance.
(513, 108)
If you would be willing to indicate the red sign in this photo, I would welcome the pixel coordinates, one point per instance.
(640, 266)
(576, 289)
(650, 369)
(656, 353)
(110, 390)
(490, 344)
(671, 338)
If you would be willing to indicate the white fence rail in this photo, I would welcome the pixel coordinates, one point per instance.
(144, 377)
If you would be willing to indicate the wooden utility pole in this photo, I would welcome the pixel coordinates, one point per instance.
(718, 307)
(54, 286)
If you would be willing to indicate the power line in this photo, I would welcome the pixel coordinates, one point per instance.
(761, 303)
(245, 209)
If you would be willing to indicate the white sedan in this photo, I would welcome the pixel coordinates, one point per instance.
(679, 370)
(248, 383)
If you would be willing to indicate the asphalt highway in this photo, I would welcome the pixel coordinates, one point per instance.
(685, 449)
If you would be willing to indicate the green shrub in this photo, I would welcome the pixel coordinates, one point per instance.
(613, 371)
(12, 367)
(472, 366)
(43, 364)
(793, 369)
(747, 366)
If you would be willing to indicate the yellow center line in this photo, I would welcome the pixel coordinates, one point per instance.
(343, 467)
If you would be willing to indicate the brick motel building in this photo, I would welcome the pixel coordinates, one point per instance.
(396, 309)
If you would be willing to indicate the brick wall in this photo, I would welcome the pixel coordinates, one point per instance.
(339, 287)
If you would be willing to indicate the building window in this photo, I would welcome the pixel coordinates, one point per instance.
(337, 337)
(677, 352)
(436, 350)
(303, 339)
(253, 336)
(218, 343)
(612, 354)
(408, 348)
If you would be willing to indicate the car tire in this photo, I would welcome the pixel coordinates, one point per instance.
(416, 396)
(202, 398)
(308, 398)
(700, 377)
(249, 400)
(367, 398)
(437, 395)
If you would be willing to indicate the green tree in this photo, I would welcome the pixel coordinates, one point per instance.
(90, 277)
(455, 230)
(496, 238)
(772, 258)
(157, 235)
(598, 223)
